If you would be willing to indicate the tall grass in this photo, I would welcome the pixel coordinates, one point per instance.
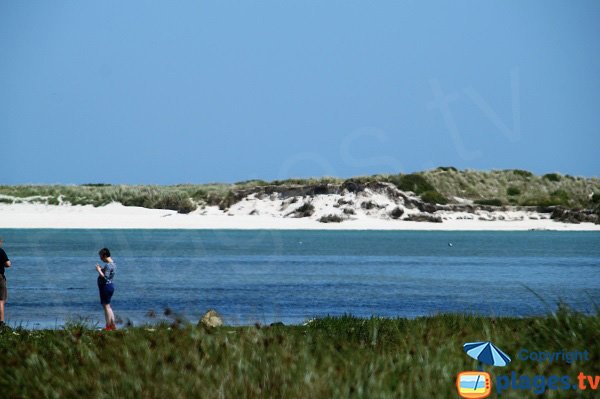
(515, 186)
(332, 357)
(440, 185)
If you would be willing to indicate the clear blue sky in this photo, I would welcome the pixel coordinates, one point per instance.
(174, 92)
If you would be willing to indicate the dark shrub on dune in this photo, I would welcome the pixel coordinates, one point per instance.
(305, 210)
(251, 182)
(396, 213)
(423, 217)
(331, 219)
(491, 202)
(368, 205)
(229, 199)
(561, 195)
(557, 197)
(433, 197)
(512, 190)
(447, 168)
(154, 199)
(522, 173)
(413, 182)
(177, 202)
(96, 185)
(552, 176)
(543, 202)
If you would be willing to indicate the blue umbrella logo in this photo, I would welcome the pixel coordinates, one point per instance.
(477, 384)
(486, 352)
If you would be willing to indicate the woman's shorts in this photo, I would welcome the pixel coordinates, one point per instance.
(106, 293)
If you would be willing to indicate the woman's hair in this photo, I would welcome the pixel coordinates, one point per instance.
(104, 253)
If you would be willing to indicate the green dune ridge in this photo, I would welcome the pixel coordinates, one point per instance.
(443, 185)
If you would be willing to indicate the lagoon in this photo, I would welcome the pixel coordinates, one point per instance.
(266, 276)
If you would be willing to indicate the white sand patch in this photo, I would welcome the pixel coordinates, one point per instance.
(273, 213)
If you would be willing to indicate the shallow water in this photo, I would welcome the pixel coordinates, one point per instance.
(290, 276)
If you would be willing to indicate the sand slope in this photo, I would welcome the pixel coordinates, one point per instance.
(265, 216)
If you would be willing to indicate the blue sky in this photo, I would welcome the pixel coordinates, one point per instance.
(175, 92)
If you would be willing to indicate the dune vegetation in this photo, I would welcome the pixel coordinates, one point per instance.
(341, 357)
(516, 187)
(441, 186)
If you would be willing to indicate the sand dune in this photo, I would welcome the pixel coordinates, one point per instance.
(260, 214)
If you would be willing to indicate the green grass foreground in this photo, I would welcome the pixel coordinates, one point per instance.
(329, 358)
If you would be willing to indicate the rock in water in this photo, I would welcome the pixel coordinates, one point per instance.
(211, 319)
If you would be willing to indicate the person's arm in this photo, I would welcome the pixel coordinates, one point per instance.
(99, 270)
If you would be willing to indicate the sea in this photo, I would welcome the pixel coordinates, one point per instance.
(267, 276)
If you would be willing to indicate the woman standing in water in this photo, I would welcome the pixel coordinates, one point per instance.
(106, 274)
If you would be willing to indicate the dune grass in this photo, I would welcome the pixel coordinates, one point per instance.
(328, 358)
(515, 187)
(441, 185)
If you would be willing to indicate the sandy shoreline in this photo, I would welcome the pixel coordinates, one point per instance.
(117, 216)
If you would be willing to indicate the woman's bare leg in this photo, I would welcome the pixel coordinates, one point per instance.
(106, 314)
(1, 310)
(112, 317)
(109, 316)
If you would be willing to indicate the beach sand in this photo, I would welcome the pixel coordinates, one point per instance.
(117, 216)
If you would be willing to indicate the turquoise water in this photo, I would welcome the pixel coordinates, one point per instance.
(290, 276)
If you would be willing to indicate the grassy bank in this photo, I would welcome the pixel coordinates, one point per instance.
(516, 187)
(329, 358)
(441, 185)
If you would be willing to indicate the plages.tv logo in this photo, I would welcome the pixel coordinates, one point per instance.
(478, 384)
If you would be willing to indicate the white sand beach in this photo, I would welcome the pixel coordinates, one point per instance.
(117, 216)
